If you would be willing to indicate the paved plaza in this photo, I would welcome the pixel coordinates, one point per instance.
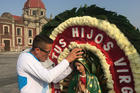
(8, 76)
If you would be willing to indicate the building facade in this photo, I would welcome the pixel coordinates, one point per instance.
(17, 32)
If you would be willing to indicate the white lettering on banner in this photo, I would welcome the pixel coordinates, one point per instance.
(120, 63)
(89, 36)
(82, 33)
(99, 36)
(108, 46)
(127, 90)
(75, 32)
(62, 42)
(123, 70)
(57, 49)
(54, 56)
(125, 79)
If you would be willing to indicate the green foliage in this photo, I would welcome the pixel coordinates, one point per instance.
(120, 21)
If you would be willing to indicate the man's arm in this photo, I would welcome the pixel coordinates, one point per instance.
(33, 67)
(63, 75)
(50, 64)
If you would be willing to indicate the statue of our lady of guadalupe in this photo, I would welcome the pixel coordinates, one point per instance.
(83, 80)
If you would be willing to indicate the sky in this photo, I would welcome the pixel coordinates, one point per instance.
(128, 8)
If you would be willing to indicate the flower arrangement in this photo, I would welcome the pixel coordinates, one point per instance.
(112, 31)
(115, 26)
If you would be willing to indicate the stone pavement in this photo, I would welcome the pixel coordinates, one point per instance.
(6, 53)
(8, 76)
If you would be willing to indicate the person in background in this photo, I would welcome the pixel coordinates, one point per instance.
(83, 80)
(32, 76)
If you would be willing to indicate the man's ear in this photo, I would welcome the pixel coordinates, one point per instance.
(37, 50)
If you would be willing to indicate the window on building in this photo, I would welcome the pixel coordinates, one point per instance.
(30, 33)
(30, 41)
(19, 41)
(27, 12)
(42, 13)
(19, 31)
(6, 30)
(34, 12)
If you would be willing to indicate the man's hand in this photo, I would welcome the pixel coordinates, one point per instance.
(74, 54)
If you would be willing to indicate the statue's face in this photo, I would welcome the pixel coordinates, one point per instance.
(80, 67)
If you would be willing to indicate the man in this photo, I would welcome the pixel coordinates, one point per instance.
(32, 76)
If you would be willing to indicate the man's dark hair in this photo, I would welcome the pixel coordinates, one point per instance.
(40, 40)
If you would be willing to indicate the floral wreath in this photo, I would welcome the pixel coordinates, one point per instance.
(113, 32)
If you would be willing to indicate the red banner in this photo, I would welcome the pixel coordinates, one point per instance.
(115, 57)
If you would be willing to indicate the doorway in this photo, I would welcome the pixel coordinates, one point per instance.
(7, 45)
